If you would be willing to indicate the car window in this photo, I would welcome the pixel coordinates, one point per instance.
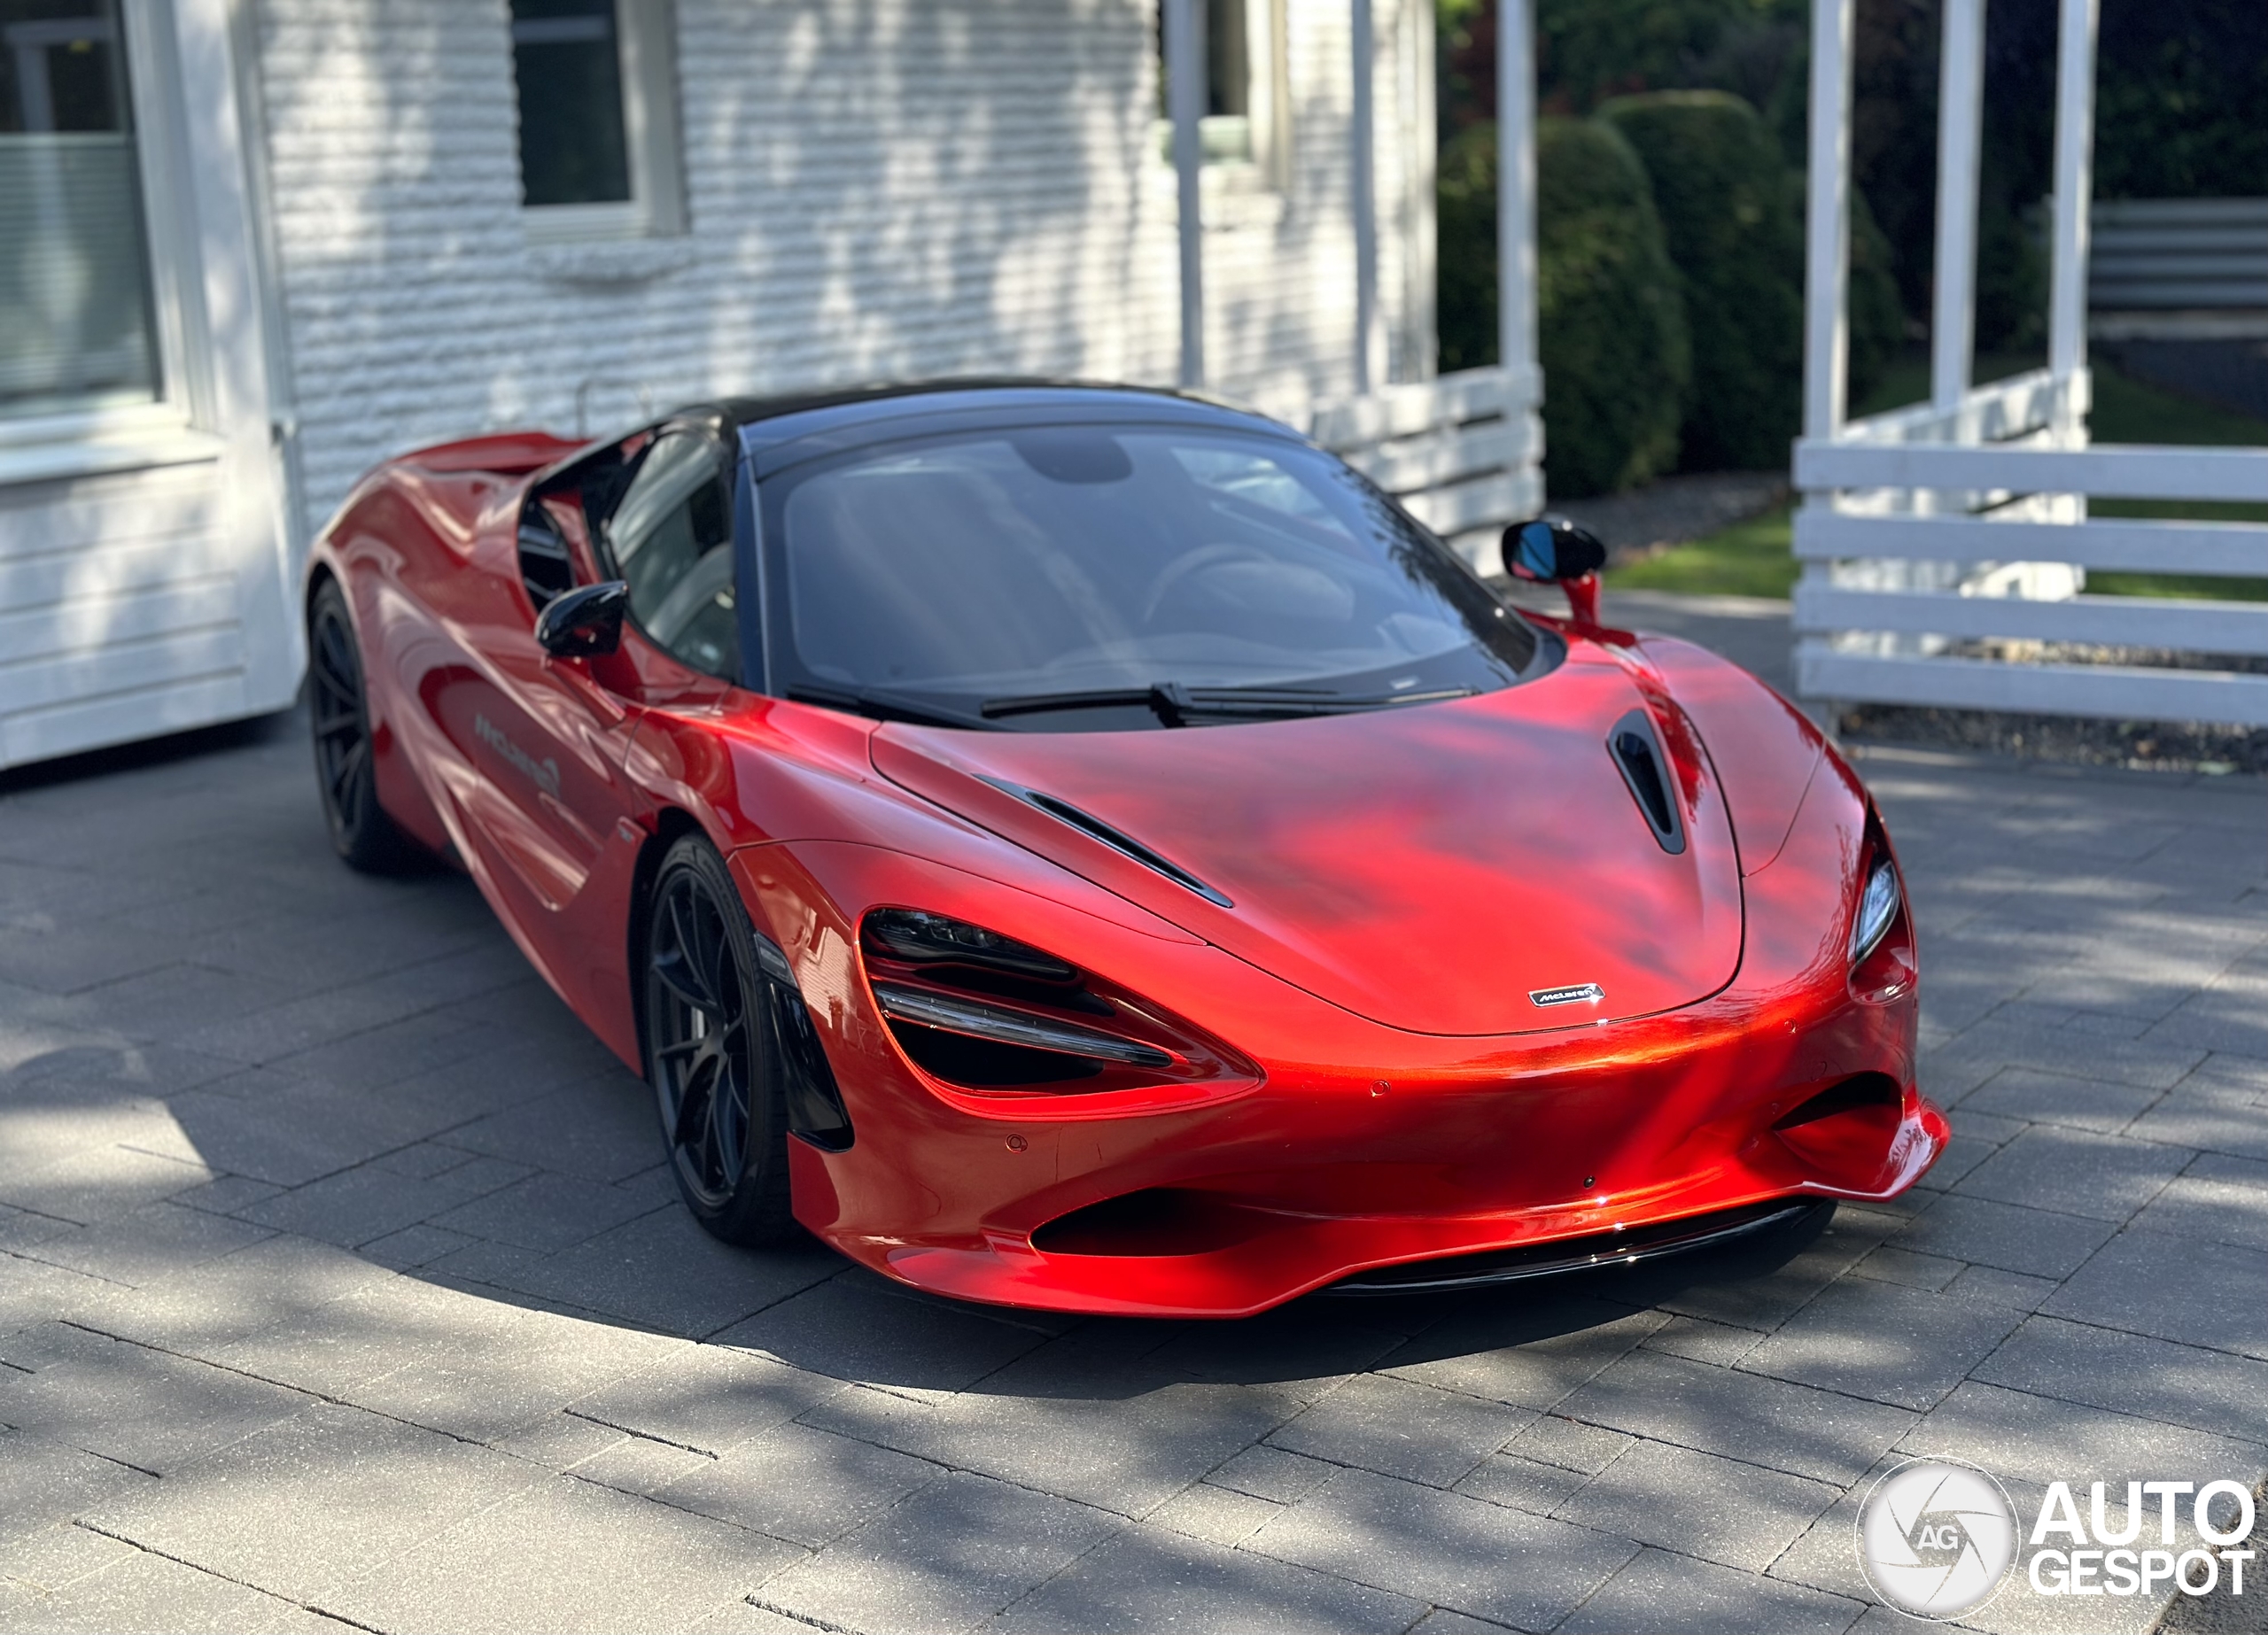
(982, 572)
(670, 540)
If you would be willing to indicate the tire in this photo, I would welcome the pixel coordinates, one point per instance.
(345, 774)
(712, 1055)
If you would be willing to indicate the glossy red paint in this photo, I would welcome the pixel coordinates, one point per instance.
(1386, 1091)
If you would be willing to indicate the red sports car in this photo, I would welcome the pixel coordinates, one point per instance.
(1087, 847)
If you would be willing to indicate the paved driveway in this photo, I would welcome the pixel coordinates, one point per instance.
(338, 1280)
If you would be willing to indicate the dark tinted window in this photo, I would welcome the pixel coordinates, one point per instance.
(971, 570)
(671, 539)
(569, 69)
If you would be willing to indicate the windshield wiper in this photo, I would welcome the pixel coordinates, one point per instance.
(1176, 705)
(884, 705)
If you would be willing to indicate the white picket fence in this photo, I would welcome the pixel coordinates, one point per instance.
(1464, 453)
(1928, 527)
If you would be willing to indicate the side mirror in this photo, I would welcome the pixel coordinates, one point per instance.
(583, 622)
(1549, 549)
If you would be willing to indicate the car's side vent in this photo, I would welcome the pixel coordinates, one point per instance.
(1063, 811)
(1638, 752)
(815, 1111)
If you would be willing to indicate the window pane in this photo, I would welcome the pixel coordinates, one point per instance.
(1224, 132)
(670, 539)
(569, 69)
(75, 325)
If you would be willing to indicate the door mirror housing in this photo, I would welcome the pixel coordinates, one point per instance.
(1551, 549)
(583, 623)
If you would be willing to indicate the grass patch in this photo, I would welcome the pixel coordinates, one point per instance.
(1748, 559)
(1754, 558)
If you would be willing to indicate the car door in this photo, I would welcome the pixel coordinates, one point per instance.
(556, 824)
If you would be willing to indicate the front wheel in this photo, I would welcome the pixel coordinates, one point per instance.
(709, 1052)
(361, 831)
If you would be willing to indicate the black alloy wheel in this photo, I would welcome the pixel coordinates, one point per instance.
(711, 1053)
(361, 831)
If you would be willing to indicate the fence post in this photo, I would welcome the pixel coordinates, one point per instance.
(1184, 22)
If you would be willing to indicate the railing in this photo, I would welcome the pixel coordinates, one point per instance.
(1918, 532)
(1464, 453)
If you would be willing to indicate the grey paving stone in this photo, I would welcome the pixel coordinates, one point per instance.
(2207, 1111)
(857, 1333)
(566, 1555)
(2039, 1243)
(638, 1465)
(660, 1270)
(1571, 1445)
(960, 1550)
(352, 1207)
(141, 1592)
(1697, 1337)
(1893, 1265)
(1749, 1291)
(1141, 1437)
(1884, 1341)
(297, 1133)
(2174, 1288)
(2095, 1104)
(226, 1194)
(1661, 1593)
(154, 1242)
(1700, 1504)
(44, 1482)
(2157, 1061)
(141, 1407)
(313, 1501)
(2132, 1373)
(413, 1246)
(1147, 1579)
(207, 1308)
(1308, 1347)
(2219, 1199)
(600, 1129)
(506, 1367)
(544, 1211)
(1527, 1352)
(1271, 1473)
(1217, 1514)
(100, 1183)
(61, 1552)
(707, 1398)
(1485, 1560)
(1985, 1282)
(1523, 1484)
(1400, 1428)
(797, 1483)
(1797, 1429)
(2079, 1174)
(2019, 1436)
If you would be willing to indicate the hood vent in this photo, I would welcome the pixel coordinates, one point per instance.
(1638, 752)
(1063, 811)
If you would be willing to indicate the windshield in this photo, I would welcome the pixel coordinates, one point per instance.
(1071, 578)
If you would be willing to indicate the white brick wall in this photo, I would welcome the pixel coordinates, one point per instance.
(875, 189)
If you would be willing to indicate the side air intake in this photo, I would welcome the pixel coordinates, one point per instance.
(1638, 752)
(1063, 811)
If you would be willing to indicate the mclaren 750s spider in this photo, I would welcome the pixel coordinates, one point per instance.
(1087, 847)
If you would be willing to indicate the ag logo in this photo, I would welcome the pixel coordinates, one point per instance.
(1936, 1537)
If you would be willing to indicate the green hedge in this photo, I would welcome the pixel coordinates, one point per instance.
(1611, 328)
(1719, 185)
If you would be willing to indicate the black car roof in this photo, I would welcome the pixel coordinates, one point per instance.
(855, 415)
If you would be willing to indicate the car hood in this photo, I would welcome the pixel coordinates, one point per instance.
(1431, 868)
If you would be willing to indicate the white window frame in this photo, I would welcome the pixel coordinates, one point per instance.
(1268, 118)
(645, 33)
(177, 425)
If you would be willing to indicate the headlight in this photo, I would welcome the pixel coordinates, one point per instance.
(984, 1011)
(1877, 908)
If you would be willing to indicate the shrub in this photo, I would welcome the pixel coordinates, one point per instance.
(1612, 328)
(1719, 185)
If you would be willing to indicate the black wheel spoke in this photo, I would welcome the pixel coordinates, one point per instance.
(677, 975)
